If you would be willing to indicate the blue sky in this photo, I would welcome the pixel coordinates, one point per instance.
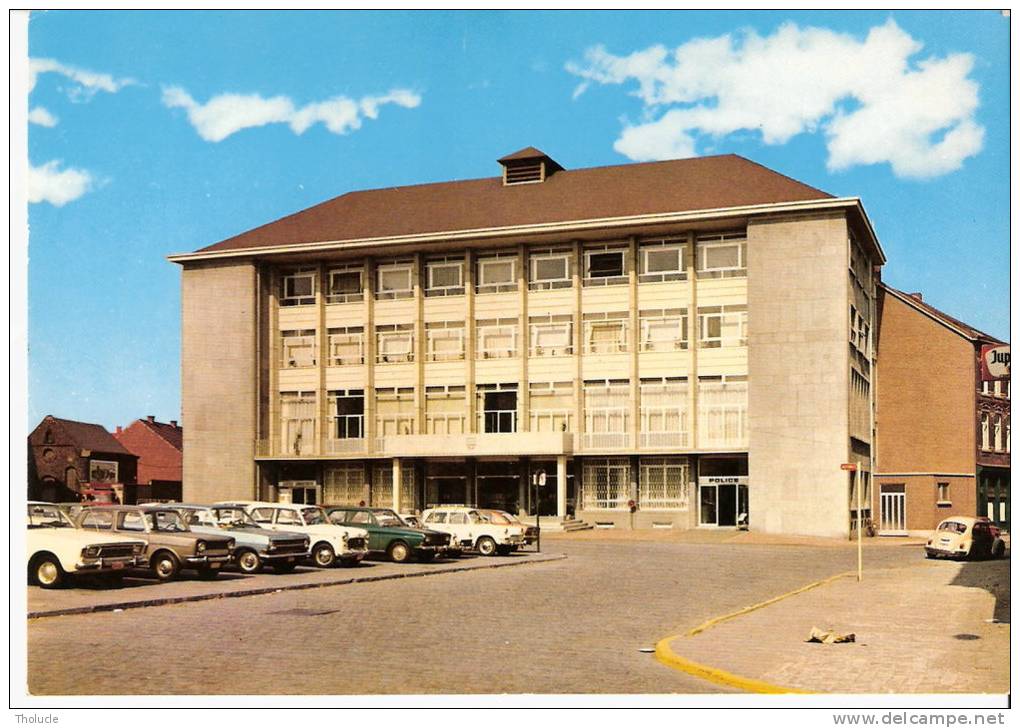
(162, 132)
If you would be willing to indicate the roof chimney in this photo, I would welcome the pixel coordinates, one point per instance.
(917, 296)
(150, 418)
(527, 166)
(173, 423)
(119, 429)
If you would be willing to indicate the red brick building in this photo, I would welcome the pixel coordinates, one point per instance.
(943, 435)
(159, 447)
(66, 458)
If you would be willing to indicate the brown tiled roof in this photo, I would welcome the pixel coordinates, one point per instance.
(935, 313)
(88, 436)
(173, 434)
(684, 185)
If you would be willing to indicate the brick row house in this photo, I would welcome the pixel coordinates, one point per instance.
(943, 434)
(159, 447)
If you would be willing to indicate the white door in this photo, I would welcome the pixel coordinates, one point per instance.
(893, 510)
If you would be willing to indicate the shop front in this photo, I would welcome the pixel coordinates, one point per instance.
(722, 492)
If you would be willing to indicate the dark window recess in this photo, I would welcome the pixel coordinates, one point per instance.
(605, 265)
(350, 420)
(501, 411)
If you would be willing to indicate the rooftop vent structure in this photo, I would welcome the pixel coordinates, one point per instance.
(528, 166)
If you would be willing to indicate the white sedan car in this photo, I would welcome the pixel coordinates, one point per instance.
(58, 549)
(330, 543)
(471, 529)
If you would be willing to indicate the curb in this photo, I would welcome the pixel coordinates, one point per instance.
(664, 652)
(163, 601)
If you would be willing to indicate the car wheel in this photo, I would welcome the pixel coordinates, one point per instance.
(47, 572)
(486, 546)
(426, 556)
(323, 555)
(399, 552)
(284, 568)
(249, 562)
(165, 566)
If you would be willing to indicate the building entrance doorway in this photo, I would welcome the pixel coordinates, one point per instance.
(305, 492)
(497, 485)
(445, 490)
(893, 510)
(722, 504)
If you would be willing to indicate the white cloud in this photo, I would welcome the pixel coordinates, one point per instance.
(86, 83)
(51, 184)
(42, 117)
(870, 100)
(227, 114)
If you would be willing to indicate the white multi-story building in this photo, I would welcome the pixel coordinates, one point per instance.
(671, 336)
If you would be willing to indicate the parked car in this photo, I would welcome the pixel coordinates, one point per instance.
(58, 550)
(503, 518)
(389, 535)
(966, 537)
(171, 545)
(331, 543)
(254, 545)
(469, 529)
(411, 519)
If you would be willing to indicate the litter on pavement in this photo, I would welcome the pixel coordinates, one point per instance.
(828, 636)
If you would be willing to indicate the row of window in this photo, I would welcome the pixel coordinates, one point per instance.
(664, 259)
(998, 388)
(860, 332)
(995, 432)
(662, 484)
(606, 413)
(603, 333)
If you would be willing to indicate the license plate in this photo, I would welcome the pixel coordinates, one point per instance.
(214, 565)
(117, 565)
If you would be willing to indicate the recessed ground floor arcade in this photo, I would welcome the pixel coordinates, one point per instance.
(612, 490)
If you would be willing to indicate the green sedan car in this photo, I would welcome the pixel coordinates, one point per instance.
(388, 535)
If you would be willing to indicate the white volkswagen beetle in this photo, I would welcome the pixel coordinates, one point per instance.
(330, 543)
(471, 529)
(56, 549)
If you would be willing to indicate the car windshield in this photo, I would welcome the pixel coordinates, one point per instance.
(953, 527)
(47, 516)
(234, 518)
(198, 517)
(498, 518)
(314, 516)
(388, 518)
(165, 521)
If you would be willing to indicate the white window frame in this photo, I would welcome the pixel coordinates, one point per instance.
(725, 410)
(613, 280)
(538, 327)
(380, 271)
(663, 400)
(985, 432)
(615, 498)
(706, 243)
(434, 333)
(354, 334)
(295, 300)
(678, 343)
(299, 401)
(943, 492)
(333, 418)
(484, 286)
(502, 328)
(345, 297)
(302, 339)
(590, 327)
(406, 354)
(722, 341)
(647, 276)
(660, 500)
(432, 289)
(536, 283)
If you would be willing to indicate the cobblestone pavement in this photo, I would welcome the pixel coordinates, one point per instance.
(569, 626)
(92, 594)
(922, 628)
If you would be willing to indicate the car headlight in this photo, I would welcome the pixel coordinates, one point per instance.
(90, 552)
(200, 547)
(343, 537)
(308, 543)
(230, 544)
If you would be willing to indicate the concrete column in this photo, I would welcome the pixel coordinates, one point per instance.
(368, 349)
(524, 488)
(578, 337)
(470, 398)
(692, 343)
(397, 478)
(419, 344)
(561, 486)
(321, 353)
(273, 431)
(634, 342)
(523, 343)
